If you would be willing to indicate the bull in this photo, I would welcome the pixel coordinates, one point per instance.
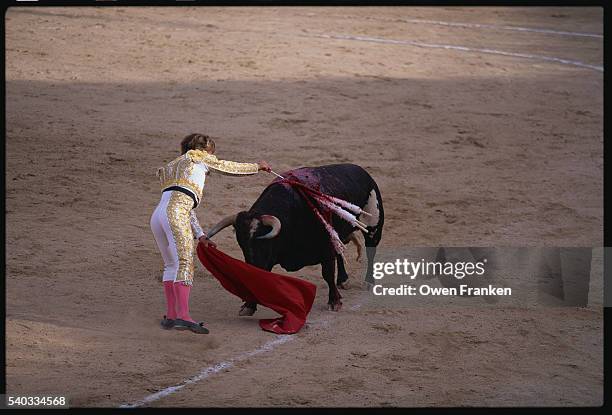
(280, 227)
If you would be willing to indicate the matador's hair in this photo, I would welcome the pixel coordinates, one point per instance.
(197, 142)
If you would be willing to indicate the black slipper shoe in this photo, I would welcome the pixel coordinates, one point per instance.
(199, 328)
(167, 323)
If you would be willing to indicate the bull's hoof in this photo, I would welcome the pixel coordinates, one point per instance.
(246, 311)
(344, 285)
(335, 306)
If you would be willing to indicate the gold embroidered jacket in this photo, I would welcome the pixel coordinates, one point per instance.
(189, 171)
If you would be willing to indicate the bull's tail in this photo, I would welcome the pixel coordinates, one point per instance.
(375, 208)
(376, 220)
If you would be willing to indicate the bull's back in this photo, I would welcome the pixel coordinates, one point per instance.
(307, 241)
(346, 181)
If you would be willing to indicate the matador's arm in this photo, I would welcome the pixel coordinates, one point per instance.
(195, 225)
(227, 167)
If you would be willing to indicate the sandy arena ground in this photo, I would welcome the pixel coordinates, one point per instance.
(468, 148)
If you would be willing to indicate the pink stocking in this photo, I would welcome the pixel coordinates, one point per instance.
(181, 292)
(170, 300)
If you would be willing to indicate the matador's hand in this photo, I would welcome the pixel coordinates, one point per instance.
(207, 242)
(264, 166)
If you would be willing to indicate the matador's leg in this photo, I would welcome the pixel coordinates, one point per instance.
(178, 213)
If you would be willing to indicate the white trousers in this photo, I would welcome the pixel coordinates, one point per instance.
(171, 228)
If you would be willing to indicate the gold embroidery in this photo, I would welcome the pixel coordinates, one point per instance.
(178, 213)
(223, 166)
(189, 185)
(178, 173)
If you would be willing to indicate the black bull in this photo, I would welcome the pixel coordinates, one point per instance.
(280, 227)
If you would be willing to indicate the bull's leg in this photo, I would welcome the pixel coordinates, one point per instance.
(328, 270)
(371, 242)
(369, 277)
(342, 275)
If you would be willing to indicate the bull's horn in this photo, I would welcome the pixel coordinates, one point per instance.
(270, 221)
(224, 223)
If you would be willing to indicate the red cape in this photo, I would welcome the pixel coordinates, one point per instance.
(289, 296)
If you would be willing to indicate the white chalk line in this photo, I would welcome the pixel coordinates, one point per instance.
(211, 370)
(460, 48)
(227, 364)
(482, 26)
(496, 27)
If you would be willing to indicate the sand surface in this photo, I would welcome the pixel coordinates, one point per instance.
(468, 148)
